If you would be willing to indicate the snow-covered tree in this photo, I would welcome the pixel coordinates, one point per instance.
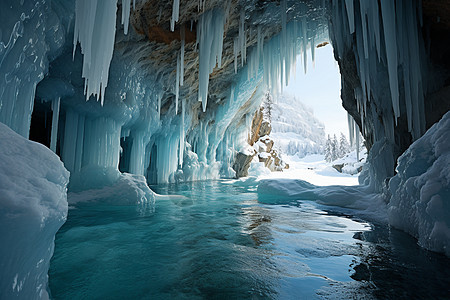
(268, 102)
(344, 146)
(334, 148)
(328, 150)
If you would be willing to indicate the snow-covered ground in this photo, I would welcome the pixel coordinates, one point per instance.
(312, 168)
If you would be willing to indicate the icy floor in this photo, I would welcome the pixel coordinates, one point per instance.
(219, 242)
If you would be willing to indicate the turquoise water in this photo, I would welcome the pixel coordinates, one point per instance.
(220, 243)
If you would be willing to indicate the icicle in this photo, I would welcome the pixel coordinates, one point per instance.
(235, 51)
(242, 35)
(182, 56)
(350, 14)
(126, 8)
(388, 10)
(305, 43)
(55, 120)
(363, 10)
(351, 128)
(210, 36)
(177, 83)
(357, 141)
(95, 27)
(175, 14)
(159, 104)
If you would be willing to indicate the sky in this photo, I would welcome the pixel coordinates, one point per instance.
(320, 89)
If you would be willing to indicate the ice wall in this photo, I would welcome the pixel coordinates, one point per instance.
(420, 191)
(30, 34)
(33, 206)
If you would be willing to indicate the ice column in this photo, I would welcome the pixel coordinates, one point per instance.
(55, 119)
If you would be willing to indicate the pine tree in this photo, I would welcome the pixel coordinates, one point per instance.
(344, 146)
(334, 148)
(268, 106)
(328, 150)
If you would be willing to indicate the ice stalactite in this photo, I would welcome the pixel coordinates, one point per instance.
(396, 26)
(279, 58)
(177, 83)
(182, 33)
(210, 30)
(55, 121)
(350, 13)
(175, 14)
(126, 8)
(242, 37)
(95, 29)
(390, 37)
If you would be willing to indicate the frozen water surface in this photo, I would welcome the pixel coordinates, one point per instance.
(219, 242)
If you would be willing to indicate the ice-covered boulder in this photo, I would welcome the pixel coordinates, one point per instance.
(420, 201)
(33, 206)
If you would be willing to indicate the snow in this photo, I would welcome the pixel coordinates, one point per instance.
(420, 191)
(129, 189)
(314, 169)
(295, 129)
(33, 206)
(311, 178)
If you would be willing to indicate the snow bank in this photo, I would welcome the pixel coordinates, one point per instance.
(33, 206)
(129, 189)
(420, 201)
(365, 204)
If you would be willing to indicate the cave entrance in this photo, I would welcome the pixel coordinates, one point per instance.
(310, 127)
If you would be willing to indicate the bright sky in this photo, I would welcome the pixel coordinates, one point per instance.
(320, 89)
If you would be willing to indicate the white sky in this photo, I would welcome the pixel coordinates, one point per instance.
(320, 89)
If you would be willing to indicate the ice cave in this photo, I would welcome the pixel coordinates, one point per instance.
(138, 156)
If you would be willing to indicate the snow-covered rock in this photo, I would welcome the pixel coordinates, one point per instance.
(420, 201)
(33, 206)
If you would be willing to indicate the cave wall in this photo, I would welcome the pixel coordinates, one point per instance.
(421, 43)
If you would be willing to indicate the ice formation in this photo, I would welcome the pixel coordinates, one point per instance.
(33, 206)
(210, 40)
(420, 189)
(138, 125)
(387, 34)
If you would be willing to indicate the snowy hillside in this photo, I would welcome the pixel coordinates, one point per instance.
(295, 130)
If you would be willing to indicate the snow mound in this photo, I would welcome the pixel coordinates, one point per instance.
(129, 189)
(420, 201)
(33, 206)
(358, 198)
